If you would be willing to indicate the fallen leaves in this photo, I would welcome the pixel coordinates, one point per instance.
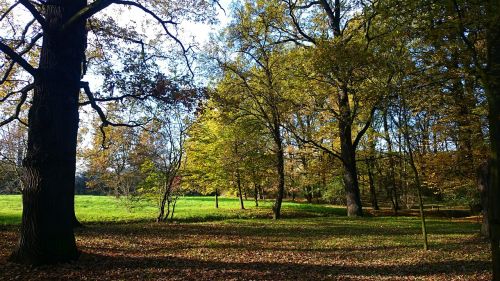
(296, 249)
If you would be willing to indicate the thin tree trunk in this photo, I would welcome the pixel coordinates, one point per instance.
(373, 193)
(309, 194)
(420, 201)
(238, 182)
(174, 203)
(256, 196)
(46, 234)
(417, 183)
(216, 198)
(165, 218)
(370, 167)
(163, 202)
(392, 178)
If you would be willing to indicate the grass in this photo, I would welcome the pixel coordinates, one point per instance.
(312, 242)
(102, 209)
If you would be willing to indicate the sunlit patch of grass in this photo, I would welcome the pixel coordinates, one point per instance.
(103, 209)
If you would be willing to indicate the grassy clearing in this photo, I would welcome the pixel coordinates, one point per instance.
(313, 242)
(102, 209)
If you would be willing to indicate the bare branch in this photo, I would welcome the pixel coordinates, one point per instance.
(308, 5)
(297, 24)
(334, 16)
(315, 144)
(18, 59)
(99, 5)
(12, 63)
(8, 10)
(364, 129)
(217, 2)
(105, 122)
(15, 116)
(25, 89)
(32, 9)
(88, 11)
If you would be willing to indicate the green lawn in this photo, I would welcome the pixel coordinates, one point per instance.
(93, 209)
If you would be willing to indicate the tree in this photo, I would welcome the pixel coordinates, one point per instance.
(226, 154)
(204, 166)
(46, 234)
(251, 80)
(476, 25)
(163, 147)
(112, 163)
(12, 150)
(343, 60)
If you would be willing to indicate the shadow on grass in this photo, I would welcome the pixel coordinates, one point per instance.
(305, 230)
(184, 268)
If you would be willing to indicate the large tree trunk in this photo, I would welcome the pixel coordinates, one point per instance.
(46, 234)
(353, 197)
(348, 155)
(492, 87)
(483, 178)
(280, 167)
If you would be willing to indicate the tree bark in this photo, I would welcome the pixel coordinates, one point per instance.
(492, 89)
(373, 193)
(280, 167)
(163, 202)
(46, 234)
(370, 163)
(309, 194)
(238, 182)
(392, 178)
(483, 178)
(348, 155)
(256, 196)
(216, 198)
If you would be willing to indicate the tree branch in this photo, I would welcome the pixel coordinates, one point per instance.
(18, 59)
(296, 23)
(19, 106)
(364, 129)
(315, 144)
(105, 122)
(87, 12)
(32, 9)
(8, 10)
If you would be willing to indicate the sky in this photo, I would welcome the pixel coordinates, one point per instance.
(197, 32)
